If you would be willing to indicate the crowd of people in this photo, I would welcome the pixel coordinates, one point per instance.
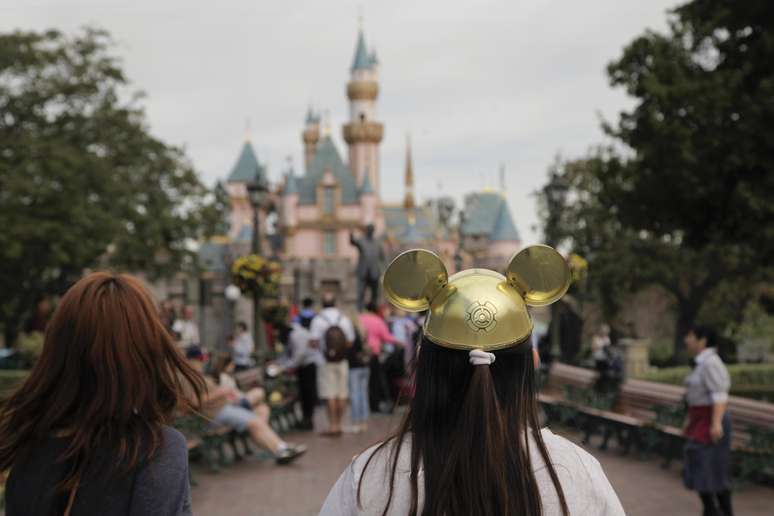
(87, 432)
(355, 363)
(348, 360)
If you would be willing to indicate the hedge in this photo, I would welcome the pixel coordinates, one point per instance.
(748, 380)
(10, 379)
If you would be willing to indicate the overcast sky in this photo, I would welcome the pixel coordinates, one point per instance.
(476, 83)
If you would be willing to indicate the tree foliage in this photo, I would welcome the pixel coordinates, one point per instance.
(684, 196)
(83, 183)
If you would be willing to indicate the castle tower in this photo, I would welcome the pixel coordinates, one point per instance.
(369, 202)
(363, 133)
(310, 136)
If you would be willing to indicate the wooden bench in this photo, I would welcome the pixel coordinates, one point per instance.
(209, 442)
(249, 378)
(283, 416)
(663, 404)
(649, 416)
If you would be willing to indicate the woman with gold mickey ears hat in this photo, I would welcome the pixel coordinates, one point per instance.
(470, 443)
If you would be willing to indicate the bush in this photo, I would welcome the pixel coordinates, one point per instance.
(660, 351)
(10, 379)
(30, 345)
(258, 275)
(749, 380)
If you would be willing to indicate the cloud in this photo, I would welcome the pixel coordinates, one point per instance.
(476, 83)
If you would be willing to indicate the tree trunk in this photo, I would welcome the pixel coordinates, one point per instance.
(686, 316)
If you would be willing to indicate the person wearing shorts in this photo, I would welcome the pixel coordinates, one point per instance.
(333, 380)
(332, 377)
(217, 404)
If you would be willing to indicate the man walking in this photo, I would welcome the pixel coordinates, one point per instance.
(332, 333)
(305, 360)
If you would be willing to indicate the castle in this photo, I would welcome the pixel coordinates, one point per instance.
(313, 212)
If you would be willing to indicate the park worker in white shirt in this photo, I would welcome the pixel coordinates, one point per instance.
(333, 334)
(243, 348)
(470, 443)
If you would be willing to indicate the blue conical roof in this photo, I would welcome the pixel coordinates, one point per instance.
(247, 168)
(366, 188)
(327, 157)
(291, 185)
(504, 228)
(488, 215)
(361, 61)
(311, 116)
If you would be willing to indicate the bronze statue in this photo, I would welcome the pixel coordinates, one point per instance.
(370, 265)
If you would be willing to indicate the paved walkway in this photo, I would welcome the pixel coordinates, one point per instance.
(257, 487)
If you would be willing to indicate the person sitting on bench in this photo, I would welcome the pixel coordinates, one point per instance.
(218, 405)
(222, 372)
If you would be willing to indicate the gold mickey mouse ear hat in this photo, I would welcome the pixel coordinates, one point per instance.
(477, 309)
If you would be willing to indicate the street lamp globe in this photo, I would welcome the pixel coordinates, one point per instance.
(232, 293)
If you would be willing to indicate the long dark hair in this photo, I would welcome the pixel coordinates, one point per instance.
(108, 378)
(469, 428)
(703, 331)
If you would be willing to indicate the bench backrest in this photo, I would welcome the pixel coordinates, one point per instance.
(249, 378)
(562, 375)
(637, 398)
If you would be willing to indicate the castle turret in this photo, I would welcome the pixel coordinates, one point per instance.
(363, 133)
(368, 201)
(310, 136)
(289, 215)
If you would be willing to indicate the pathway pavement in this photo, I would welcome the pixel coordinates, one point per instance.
(256, 487)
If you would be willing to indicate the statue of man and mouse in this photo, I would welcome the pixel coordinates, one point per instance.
(370, 265)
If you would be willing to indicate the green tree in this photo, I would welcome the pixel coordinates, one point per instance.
(82, 181)
(686, 200)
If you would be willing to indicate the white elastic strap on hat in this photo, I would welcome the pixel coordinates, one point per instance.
(481, 357)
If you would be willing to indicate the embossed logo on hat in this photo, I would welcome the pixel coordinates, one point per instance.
(481, 316)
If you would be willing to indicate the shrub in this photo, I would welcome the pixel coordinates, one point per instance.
(10, 379)
(30, 345)
(660, 351)
(258, 275)
(749, 380)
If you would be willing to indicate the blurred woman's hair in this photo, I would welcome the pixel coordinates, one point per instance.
(108, 378)
(219, 365)
(469, 427)
(703, 331)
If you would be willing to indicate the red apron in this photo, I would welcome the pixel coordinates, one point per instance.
(699, 422)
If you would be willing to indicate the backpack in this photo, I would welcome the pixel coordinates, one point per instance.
(336, 344)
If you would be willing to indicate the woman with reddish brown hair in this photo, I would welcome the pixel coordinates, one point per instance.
(86, 433)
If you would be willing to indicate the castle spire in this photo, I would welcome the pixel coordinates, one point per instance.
(362, 59)
(363, 133)
(408, 201)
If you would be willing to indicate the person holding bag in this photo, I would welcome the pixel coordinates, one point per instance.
(359, 357)
(332, 333)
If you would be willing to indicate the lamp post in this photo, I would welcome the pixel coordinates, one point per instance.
(460, 243)
(231, 295)
(256, 192)
(555, 194)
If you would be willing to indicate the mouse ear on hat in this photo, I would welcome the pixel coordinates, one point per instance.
(540, 274)
(414, 279)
